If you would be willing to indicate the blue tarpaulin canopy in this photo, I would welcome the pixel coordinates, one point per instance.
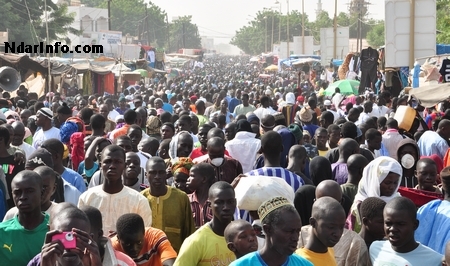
(442, 49)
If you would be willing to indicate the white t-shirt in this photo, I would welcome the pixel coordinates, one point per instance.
(382, 254)
(41, 136)
(27, 148)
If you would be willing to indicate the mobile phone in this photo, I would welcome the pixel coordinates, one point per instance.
(67, 239)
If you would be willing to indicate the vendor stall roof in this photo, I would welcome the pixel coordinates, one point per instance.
(21, 62)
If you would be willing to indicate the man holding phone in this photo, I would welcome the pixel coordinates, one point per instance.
(68, 242)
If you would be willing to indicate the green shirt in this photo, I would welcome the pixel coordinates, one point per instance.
(19, 245)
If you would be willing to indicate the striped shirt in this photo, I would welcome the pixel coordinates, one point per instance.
(202, 214)
(292, 179)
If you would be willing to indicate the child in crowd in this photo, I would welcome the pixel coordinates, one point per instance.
(241, 238)
(201, 177)
(426, 174)
(147, 246)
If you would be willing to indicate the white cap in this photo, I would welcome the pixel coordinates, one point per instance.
(327, 103)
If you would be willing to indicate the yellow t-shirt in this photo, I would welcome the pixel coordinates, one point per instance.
(204, 248)
(322, 153)
(318, 259)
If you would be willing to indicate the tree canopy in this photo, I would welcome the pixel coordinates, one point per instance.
(25, 21)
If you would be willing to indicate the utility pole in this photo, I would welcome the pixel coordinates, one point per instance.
(335, 30)
(303, 26)
(271, 42)
(168, 32)
(265, 37)
(288, 39)
(109, 14)
(146, 25)
(184, 35)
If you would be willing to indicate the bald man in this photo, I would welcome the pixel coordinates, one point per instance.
(355, 166)
(17, 139)
(297, 159)
(326, 226)
(226, 168)
(351, 248)
(347, 147)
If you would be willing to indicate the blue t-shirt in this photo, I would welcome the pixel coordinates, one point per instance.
(88, 172)
(255, 259)
(167, 107)
(74, 178)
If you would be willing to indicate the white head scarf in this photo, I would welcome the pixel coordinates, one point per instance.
(373, 174)
(173, 145)
(290, 98)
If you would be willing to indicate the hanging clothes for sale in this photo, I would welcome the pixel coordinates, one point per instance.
(369, 64)
(445, 70)
(87, 83)
(108, 83)
(416, 74)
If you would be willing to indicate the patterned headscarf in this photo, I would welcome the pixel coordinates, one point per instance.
(153, 125)
(183, 165)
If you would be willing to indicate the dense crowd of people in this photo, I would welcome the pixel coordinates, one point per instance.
(156, 174)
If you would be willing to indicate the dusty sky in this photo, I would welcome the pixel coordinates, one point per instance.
(220, 19)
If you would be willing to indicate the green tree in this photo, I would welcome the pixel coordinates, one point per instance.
(26, 23)
(252, 37)
(323, 20)
(184, 34)
(443, 21)
(343, 19)
(375, 37)
(136, 18)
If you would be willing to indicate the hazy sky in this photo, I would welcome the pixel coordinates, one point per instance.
(221, 19)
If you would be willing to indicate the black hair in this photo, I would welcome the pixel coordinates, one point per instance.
(86, 113)
(271, 143)
(154, 160)
(134, 126)
(53, 145)
(166, 117)
(97, 122)
(113, 148)
(186, 118)
(4, 133)
(30, 174)
(372, 206)
(372, 133)
(332, 128)
(403, 204)
(205, 170)
(264, 99)
(64, 109)
(219, 185)
(327, 116)
(348, 130)
(320, 130)
(71, 213)
(129, 224)
(94, 215)
(392, 123)
(169, 125)
(46, 171)
(130, 116)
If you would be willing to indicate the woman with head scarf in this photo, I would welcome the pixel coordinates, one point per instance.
(381, 179)
(180, 171)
